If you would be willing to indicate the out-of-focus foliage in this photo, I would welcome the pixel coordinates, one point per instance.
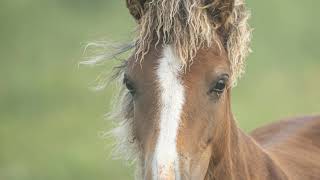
(50, 121)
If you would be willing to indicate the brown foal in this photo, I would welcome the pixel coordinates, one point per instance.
(175, 111)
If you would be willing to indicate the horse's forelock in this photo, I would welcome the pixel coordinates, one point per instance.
(189, 25)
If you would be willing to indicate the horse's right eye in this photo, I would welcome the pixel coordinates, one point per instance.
(129, 85)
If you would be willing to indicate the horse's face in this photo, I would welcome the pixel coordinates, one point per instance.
(178, 111)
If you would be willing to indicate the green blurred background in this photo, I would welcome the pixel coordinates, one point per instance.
(50, 120)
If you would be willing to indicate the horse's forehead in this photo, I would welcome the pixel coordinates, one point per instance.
(144, 69)
(210, 59)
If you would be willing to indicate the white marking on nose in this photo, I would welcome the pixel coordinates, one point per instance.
(165, 161)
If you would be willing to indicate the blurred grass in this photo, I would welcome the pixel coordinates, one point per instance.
(50, 120)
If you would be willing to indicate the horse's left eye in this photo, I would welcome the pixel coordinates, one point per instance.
(219, 86)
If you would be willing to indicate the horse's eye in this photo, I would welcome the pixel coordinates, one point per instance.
(220, 85)
(129, 85)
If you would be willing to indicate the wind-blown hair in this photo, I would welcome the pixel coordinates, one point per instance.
(187, 25)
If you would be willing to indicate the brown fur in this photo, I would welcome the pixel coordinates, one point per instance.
(209, 142)
(295, 144)
(284, 150)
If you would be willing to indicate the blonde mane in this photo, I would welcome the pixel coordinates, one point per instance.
(190, 25)
(187, 25)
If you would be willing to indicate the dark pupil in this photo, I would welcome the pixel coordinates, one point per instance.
(129, 87)
(220, 86)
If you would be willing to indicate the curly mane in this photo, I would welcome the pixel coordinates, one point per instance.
(192, 24)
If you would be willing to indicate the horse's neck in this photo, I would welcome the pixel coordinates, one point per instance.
(241, 158)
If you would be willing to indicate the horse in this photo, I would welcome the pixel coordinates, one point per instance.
(174, 116)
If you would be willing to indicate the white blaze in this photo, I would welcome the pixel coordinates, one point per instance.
(172, 98)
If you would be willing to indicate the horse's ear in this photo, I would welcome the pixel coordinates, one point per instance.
(136, 8)
(219, 10)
